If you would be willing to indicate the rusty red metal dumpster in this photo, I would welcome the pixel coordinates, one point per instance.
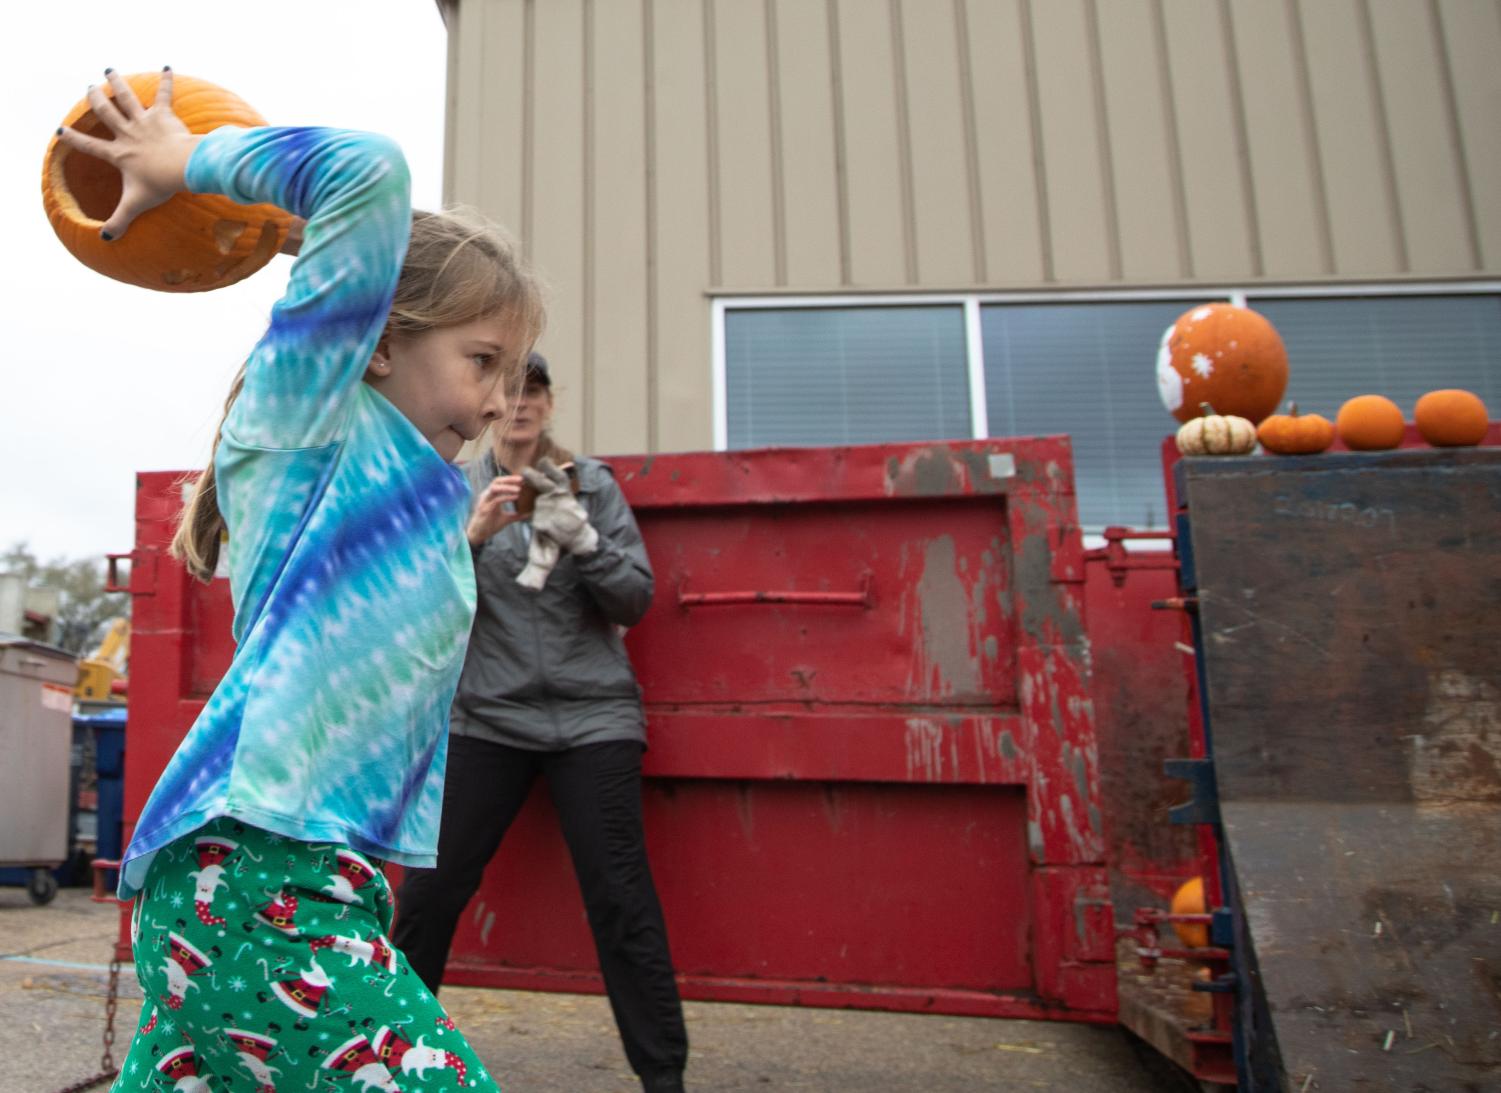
(873, 775)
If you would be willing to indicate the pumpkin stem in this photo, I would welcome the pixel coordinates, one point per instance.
(1292, 409)
(1206, 410)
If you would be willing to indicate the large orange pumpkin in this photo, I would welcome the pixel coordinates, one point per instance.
(193, 242)
(1228, 356)
(1370, 423)
(1451, 418)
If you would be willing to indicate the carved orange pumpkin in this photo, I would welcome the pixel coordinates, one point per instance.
(1189, 900)
(1451, 418)
(1229, 356)
(193, 242)
(1370, 423)
(1293, 433)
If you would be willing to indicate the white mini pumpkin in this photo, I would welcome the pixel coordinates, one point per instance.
(1216, 434)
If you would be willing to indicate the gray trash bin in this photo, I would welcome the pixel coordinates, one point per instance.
(36, 725)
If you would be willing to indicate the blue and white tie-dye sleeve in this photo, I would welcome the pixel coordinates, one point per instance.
(355, 192)
(352, 581)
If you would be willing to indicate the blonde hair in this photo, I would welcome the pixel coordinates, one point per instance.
(459, 267)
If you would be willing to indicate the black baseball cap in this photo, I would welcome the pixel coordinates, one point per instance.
(536, 370)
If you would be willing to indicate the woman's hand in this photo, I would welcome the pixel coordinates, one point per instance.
(489, 514)
(151, 148)
(558, 514)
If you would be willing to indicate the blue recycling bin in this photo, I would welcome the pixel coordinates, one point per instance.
(108, 727)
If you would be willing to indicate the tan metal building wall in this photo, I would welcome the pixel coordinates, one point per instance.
(653, 154)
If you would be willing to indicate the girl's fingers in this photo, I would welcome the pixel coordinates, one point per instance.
(119, 220)
(104, 109)
(125, 98)
(82, 142)
(164, 89)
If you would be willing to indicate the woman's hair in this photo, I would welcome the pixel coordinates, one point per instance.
(548, 448)
(459, 267)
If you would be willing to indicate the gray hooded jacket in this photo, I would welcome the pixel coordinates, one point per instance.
(548, 670)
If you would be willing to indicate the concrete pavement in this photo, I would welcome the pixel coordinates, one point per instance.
(52, 1016)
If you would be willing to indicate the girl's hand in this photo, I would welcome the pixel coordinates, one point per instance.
(151, 147)
(489, 514)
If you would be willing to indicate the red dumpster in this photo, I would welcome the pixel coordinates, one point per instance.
(873, 776)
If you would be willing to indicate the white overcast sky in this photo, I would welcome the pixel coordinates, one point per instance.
(99, 380)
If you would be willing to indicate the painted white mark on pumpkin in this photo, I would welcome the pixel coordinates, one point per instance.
(1203, 365)
(227, 233)
(1201, 313)
(1169, 383)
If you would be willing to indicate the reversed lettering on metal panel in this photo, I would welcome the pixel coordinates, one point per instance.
(1336, 512)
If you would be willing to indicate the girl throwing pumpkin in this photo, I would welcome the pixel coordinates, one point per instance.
(260, 919)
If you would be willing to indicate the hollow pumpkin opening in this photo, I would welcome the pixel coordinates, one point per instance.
(94, 184)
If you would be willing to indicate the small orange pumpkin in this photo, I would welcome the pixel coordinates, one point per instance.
(1451, 418)
(1293, 433)
(191, 243)
(1222, 354)
(1189, 900)
(1370, 423)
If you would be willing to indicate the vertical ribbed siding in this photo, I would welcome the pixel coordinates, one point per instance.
(653, 152)
(653, 281)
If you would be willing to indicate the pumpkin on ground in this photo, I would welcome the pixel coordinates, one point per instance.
(1229, 356)
(1216, 434)
(1293, 433)
(1189, 900)
(1451, 418)
(1370, 423)
(193, 242)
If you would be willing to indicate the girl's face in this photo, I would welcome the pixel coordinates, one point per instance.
(533, 412)
(450, 381)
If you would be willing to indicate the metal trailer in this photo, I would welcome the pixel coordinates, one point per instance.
(1348, 612)
(36, 708)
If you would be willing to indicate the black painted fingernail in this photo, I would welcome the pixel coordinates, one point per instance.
(59, 130)
(106, 236)
(166, 68)
(107, 71)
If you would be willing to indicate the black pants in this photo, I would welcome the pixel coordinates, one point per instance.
(596, 789)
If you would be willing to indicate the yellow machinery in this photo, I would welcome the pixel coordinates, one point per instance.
(98, 671)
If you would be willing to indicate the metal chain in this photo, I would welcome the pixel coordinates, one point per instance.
(107, 1068)
(111, 1000)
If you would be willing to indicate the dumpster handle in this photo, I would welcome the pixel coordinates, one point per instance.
(112, 580)
(862, 598)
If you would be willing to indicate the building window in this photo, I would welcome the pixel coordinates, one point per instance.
(845, 375)
(885, 369)
(1397, 346)
(1085, 370)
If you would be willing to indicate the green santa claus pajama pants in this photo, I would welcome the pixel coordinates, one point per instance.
(266, 966)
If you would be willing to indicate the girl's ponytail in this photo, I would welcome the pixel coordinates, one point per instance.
(201, 529)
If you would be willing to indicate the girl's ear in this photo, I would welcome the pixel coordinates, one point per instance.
(380, 360)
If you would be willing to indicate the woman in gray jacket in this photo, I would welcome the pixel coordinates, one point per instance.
(547, 689)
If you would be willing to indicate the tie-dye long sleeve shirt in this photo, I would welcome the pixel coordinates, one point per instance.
(352, 582)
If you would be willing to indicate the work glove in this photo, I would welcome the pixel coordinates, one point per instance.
(558, 514)
(541, 555)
